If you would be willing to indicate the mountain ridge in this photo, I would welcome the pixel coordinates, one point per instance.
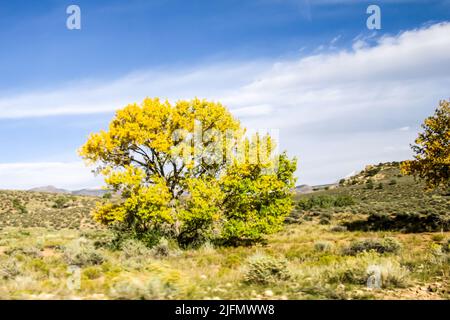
(79, 192)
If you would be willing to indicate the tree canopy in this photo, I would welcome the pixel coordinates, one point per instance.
(432, 150)
(189, 171)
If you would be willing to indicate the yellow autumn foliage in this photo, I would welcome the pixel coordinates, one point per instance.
(184, 169)
(432, 150)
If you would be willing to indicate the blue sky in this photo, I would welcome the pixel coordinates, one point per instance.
(341, 95)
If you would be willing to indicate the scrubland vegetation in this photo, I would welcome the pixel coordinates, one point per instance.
(321, 253)
(229, 230)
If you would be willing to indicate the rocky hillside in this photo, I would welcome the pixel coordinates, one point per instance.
(381, 172)
(49, 210)
(381, 198)
(81, 192)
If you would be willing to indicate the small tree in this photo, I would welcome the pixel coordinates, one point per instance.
(188, 171)
(432, 150)
(60, 202)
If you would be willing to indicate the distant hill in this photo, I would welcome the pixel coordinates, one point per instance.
(81, 192)
(382, 172)
(90, 192)
(49, 189)
(304, 189)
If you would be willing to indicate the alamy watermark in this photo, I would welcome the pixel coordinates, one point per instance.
(374, 279)
(214, 147)
(73, 21)
(374, 20)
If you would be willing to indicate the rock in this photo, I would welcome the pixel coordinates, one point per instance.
(268, 293)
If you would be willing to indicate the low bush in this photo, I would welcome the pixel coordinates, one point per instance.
(262, 269)
(322, 246)
(134, 249)
(19, 206)
(446, 246)
(402, 221)
(31, 251)
(324, 201)
(366, 268)
(369, 184)
(386, 245)
(338, 229)
(152, 289)
(9, 268)
(82, 252)
(162, 249)
(61, 202)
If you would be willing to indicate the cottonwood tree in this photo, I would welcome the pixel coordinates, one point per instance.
(432, 150)
(188, 171)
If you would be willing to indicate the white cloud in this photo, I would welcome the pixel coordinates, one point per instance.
(360, 78)
(337, 111)
(68, 175)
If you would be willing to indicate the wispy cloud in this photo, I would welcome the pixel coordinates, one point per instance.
(328, 106)
(414, 59)
(69, 175)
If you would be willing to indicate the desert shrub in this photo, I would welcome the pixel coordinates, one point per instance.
(61, 202)
(436, 254)
(446, 246)
(82, 252)
(385, 245)
(338, 229)
(31, 251)
(322, 246)
(294, 217)
(361, 269)
(315, 202)
(38, 265)
(438, 237)
(393, 274)
(326, 215)
(207, 248)
(343, 201)
(100, 239)
(369, 184)
(9, 268)
(262, 269)
(18, 205)
(162, 249)
(372, 171)
(132, 248)
(324, 201)
(347, 272)
(151, 289)
(403, 221)
(121, 234)
(92, 273)
(107, 195)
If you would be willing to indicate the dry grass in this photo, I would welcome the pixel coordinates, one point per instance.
(35, 265)
(57, 252)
